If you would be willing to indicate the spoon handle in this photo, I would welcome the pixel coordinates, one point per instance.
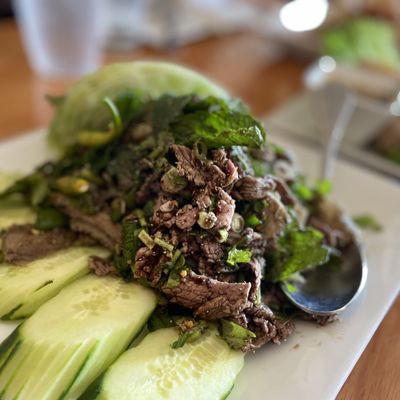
(333, 139)
(332, 107)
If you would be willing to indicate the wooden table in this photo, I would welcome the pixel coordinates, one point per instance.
(242, 63)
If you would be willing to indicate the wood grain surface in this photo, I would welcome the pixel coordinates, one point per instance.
(251, 69)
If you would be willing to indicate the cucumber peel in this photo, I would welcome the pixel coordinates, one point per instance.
(202, 370)
(73, 338)
(23, 289)
(13, 211)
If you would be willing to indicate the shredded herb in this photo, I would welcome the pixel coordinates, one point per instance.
(235, 335)
(252, 221)
(146, 239)
(236, 256)
(164, 244)
(367, 221)
(180, 342)
(190, 332)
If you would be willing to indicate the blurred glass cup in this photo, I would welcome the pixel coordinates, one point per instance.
(61, 37)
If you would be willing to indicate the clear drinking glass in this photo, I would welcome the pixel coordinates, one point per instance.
(61, 37)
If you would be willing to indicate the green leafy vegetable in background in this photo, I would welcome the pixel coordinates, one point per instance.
(394, 155)
(298, 250)
(363, 40)
(367, 221)
(321, 189)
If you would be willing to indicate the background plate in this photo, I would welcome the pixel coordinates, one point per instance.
(314, 363)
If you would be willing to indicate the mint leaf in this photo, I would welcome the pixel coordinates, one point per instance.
(217, 129)
(298, 250)
(236, 256)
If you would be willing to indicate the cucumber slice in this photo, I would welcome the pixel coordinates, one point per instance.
(7, 179)
(203, 370)
(18, 215)
(13, 211)
(82, 108)
(73, 338)
(23, 289)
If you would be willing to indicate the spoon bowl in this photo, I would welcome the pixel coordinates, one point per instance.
(330, 288)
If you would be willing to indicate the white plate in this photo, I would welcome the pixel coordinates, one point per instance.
(315, 361)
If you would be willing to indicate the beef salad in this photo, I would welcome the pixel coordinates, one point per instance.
(191, 199)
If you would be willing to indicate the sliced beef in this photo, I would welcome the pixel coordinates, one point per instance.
(221, 159)
(186, 217)
(165, 211)
(22, 243)
(266, 326)
(212, 250)
(99, 226)
(338, 228)
(102, 267)
(249, 238)
(224, 210)
(275, 218)
(148, 265)
(207, 268)
(210, 299)
(284, 191)
(332, 237)
(254, 275)
(319, 319)
(150, 186)
(201, 172)
(252, 188)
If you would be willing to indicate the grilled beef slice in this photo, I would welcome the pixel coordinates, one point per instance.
(148, 265)
(101, 267)
(252, 188)
(204, 173)
(210, 299)
(99, 226)
(22, 243)
(261, 320)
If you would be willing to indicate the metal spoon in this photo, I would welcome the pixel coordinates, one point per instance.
(328, 289)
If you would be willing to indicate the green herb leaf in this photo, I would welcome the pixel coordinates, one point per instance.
(367, 221)
(235, 335)
(160, 319)
(323, 187)
(217, 129)
(252, 220)
(298, 250)
(302, 191)
(166, 109)
(50, 218)
(236, 256)
(180, 342)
